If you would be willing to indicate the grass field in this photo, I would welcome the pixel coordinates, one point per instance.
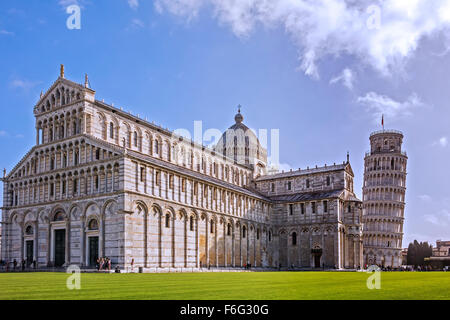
(227, 286)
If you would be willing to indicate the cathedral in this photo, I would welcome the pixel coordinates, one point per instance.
(101, 182)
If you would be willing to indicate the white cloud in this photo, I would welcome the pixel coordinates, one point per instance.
(5, 134)
(442, 218)
(6, 33)
(66, 3)
(380, 105)
(425, 197)
(321, 28)
(134, 4)
(138, 23)
(431, 218)
(23, 84)
(443, 142)
(346, 77)
(135, 24)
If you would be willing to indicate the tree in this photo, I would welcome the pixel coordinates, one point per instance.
(417, 252)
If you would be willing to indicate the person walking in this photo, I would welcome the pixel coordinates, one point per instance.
(132, 265)
(15, 264)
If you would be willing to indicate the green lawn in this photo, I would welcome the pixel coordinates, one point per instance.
(233, 286)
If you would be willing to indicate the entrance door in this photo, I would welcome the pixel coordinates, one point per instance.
(60, 247)
(29, 252)
(317, 260)
(93, 251)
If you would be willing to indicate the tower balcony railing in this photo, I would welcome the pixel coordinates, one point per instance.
(386, 131)
(370, 153)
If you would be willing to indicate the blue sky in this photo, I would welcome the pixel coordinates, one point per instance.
(314, 70)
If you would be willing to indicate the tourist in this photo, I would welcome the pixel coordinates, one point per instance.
(15, 264)
(34, 264)
(132, 265)
(108, 263)
(24, 263)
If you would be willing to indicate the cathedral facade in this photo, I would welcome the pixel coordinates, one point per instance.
(101, 182)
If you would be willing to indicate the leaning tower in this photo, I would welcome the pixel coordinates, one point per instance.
(384, 199)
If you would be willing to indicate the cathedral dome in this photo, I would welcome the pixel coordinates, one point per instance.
(241, 144)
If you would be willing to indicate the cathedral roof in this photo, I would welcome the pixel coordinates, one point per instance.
(312, 196)
(307, 196)
(197, 175)
(291, 174)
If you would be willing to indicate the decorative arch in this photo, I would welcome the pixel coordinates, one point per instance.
(89, 209)
(140, 206)
(108, 207)
(58, 210)
(75, 212)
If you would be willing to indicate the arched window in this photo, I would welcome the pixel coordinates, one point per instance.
(294, 239)
(74, 128)
(93, 224)
(191, 223)
(244, 232)
(29, 231)
(75, 186)
(59, 216)
(135, 138)
(156, 146)
(229, 230)
(212, 226)
(167, 220)
(270, 236)
(111, 130)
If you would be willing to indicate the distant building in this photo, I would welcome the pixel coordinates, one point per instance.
(404, 256)
(441, 255)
